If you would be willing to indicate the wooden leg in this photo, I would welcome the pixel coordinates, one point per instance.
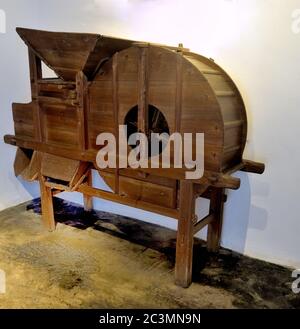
(185, 235)
(88, 200)
(215, 227)
(47, 205)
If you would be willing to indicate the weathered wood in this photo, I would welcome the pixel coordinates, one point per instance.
(253, 167)
(85, 189)
(143, 90)
(185, 235)
(59, 168)
(178, 101)
(115, 86)
(203, 222)
(47, 204)
(225, 181)
(35, 71)
(88, 199)
(22, 161)
(82, 98)
(215, 226)
(105, 82)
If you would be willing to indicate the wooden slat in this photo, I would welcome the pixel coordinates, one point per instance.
(178, 102)
(35, 70)
(129, 202)
(222, 93)
(115, 87)
(58, 167)
(22, 161)
(82, 98)
(203, 222)
(253, 167)
(146, 191)
(57, 100)
(143, 90)
(210, 71)
(233, 124)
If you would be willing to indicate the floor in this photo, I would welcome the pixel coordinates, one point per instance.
(101, 260)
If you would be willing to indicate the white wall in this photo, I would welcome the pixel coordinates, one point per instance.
(252, 40)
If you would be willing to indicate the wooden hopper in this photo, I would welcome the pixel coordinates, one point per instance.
(105, 82)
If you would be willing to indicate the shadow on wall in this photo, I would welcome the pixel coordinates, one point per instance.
(32, 188)
(242, 214)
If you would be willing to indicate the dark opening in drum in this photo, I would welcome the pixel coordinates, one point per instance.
(157, 123)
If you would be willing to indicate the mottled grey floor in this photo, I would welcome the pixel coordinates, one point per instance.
(101, 260)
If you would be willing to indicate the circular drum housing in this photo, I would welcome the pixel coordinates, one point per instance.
(192, 93)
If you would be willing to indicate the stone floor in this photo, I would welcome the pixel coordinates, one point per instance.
(102, 260)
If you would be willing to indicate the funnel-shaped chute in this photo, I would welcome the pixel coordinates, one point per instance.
(68, 53)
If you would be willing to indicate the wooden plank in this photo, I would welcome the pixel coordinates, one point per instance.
(143, 89)
(58, 167)
(185, 235)
(87, 199)
(57, 101)
(47, 205)
(22, 161)
(82, 98)
(35, 71)
(253, 167)
(82, 170)
(224, 93)
(178, 104)
(203, 222)
(59, 187)
(57, 135)
(115, 87)
(137, 174)
(85, 189)
(23, 129)
(146, 191)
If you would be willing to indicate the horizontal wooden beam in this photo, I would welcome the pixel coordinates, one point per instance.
(224, 181)
(203, 222)
(71, 153)
(253, 167)
(58, 187)
(94, 192)
(209, 178)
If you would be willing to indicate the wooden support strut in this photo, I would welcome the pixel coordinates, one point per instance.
(215, 226)
(87, 199)
(35, 70)
(47, 204)
(185, 235)
(203, 222)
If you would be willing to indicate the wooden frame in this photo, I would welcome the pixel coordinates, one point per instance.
(100, 80)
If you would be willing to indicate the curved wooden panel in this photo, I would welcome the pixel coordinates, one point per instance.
(231, 105)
